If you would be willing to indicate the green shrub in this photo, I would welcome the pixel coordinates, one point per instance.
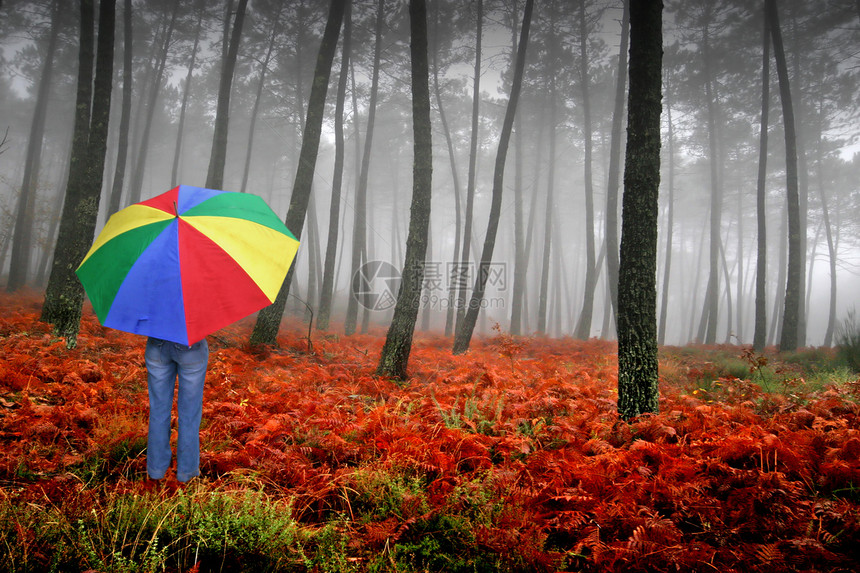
(847, 336)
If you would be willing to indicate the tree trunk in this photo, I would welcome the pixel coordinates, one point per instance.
(760, 331)
(186, 90)
(802, 188)
(218, 157)
(712, 306)
(670, 223)
(115, 198)
(264, 66)
(831, 244)
(637, 292)
(615, 161)
(64, 295)
(547, 227)
(324, 313)
(22, 238)
(143, 150)
(782, 265)
(464, 335)
(794, 279)
(359, 229)
(583, 327)
(517, 294)
(455, 177)
(473, 162)
(269, 319)
(394, 359)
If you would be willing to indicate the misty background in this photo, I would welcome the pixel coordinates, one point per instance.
(712, 103)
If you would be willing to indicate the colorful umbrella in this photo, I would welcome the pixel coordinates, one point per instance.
(183, 264)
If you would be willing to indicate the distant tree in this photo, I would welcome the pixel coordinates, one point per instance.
(186, 90)
(637, 291)
(760, 329)
(161, 48)
(473, 165)
(115, 198)
(64, 295)
(269, 319)
(218, 156)
(464, 334)
(324, 314)
(22, 235)
(264, 67)
(359, 228)
(614, 175)
(394, 359)
(583, 326)
(452, 158)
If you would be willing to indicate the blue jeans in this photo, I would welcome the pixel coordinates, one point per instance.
(165, 361)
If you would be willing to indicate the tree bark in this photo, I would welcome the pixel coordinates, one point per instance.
(637, 296)
(394, 359)
(64, 295)
(218, 156)
(269, 319)
(464, 335)
(794, 279)
(19, 266)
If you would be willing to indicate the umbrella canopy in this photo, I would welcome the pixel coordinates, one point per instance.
(186, 263)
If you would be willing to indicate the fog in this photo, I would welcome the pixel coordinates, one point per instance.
(711, 112)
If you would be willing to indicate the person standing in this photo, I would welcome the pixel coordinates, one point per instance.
(165, 362)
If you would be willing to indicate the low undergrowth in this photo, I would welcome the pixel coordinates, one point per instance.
(508, 458)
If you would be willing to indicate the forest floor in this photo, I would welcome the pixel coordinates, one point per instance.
(510, 457)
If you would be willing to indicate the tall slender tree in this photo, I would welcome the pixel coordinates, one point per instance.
(637, 290)
(794, 279)
(359, 228)
(760, 328)
(115, 197)
(464, 334)
(186, 91)
(452, 159)
(218, 156)
(394, 359)
(136, 183)
(473, 167)
(22, 235)
(614, 175)
(269, 319)
(64, 296)
(583, 326)
(264, 68)
(324, 314)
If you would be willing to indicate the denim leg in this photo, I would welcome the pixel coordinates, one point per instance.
(189, 404)
(161, 378)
